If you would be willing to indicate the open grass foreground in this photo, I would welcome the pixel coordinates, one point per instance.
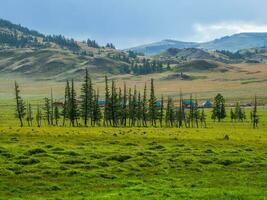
(133, 163)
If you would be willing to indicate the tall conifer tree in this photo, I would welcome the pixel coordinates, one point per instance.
(20, 105)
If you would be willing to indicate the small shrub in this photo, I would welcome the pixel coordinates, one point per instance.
(35, 151)
(205, 162)
(72, 162)
(119, 158)
(102, 164)
(28, 161)
(145, 164)
(54, 188)
(108, 176)
(157, 147)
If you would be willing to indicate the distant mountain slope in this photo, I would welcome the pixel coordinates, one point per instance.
(237, 42)
(178, 56)
(230, 43)
(158, 47)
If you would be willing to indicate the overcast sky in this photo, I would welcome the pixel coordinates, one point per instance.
(128, 23)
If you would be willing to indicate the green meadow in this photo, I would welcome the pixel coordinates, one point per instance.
(133, 163)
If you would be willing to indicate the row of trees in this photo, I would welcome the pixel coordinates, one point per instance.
(121, 107)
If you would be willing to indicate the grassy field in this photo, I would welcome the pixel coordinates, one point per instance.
(133, 163)
(110, 163)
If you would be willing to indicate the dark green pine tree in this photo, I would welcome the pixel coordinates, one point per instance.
(218, 112)
(86, 99)
(115, 104)
(232, 115)
(39, 116)
(240, 114)
(139, 110)
(47, 110)
(66, 106)
(153, 110)
(124, 112)
(168, 113)
(97, 115)
(29, 117)
(120, 107)
(196, 113)
(161, 114)
(20, 105)
(107, 109)
(52, 108)
(191, 112)
(134, 108)
(254, 115)
(130, 110)
(181, 112)
(144, 108)
(74, 114)
(56, 115)
(203, 119)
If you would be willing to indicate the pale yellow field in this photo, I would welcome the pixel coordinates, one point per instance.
(241, 82)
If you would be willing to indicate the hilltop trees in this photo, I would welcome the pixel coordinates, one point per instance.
(92, 43)
(218, 112)
(110, 45)
(146, 67)
(63, 42)
(20, 105)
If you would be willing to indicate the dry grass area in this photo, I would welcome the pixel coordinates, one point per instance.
(242, 81)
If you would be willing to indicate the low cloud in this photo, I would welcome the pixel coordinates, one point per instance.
(207, 32)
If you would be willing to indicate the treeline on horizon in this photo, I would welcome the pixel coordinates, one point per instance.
(123, 107)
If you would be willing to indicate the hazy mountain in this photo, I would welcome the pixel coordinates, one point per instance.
(237, 42)
(178, 56)
(158, 47)
(229, 43)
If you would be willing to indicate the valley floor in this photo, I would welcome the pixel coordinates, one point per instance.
(133, 163)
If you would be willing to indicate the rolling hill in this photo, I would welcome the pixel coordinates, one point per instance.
(231, 43)
(30, 53)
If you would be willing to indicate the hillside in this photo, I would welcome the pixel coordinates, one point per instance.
(229, 43)
(30, 53)
(177, 56)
